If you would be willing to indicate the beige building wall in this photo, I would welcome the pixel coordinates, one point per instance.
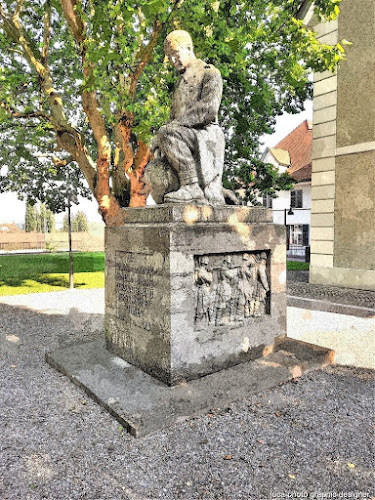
(343, 168)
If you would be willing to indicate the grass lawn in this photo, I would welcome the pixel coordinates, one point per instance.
(20, 274)
(293, 265)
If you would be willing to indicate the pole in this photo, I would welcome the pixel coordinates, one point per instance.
(286, 230)
(71, 282)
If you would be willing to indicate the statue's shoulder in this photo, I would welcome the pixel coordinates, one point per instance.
(209, 68)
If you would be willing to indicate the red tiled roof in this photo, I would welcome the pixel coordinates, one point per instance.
(299, 145)
(302, 174)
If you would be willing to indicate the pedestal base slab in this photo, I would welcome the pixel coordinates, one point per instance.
(143, 404)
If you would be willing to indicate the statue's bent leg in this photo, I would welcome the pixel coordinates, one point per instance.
(160, 178)
(179, 146)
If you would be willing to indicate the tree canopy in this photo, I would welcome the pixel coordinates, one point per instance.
(85, 83)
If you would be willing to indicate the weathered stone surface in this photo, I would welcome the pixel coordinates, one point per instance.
(325, 86)
(356, 82)
(337, 276)
(325, 101)
(192, 214)
(143, 404)
(325, 115)
(355, 211)
(152, 292)
(189, 149)
(324, 147)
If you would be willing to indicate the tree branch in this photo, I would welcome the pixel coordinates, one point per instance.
(18, 10)
(67, 136)
(15, 31)
(74, 21)
(18, 114)
(58, 162)
(107, 203)
(7, 126)
(144, 55)
(175, 5)
(47, 32)
(89, 99)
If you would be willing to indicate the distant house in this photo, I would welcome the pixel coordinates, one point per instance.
(293, 154)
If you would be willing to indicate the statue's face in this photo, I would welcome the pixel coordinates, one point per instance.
(180, 56)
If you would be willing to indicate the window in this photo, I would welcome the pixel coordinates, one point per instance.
(299, 234)
(296, 199)
(305, 235)
(296, 235)
(267, 200)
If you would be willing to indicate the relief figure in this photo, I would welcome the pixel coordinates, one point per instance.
(262, 286)
(203, 281)
(247, 284)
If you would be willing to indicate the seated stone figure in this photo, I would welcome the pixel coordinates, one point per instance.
(189, 149)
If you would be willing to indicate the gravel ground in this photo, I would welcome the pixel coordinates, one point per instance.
(302, 439)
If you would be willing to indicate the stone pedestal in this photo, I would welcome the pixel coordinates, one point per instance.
(187, 288)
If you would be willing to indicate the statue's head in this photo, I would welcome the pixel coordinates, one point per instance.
(178, 46)
(263, 256)
(203, 260)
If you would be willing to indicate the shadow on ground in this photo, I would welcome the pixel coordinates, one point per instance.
(311, 436)
(39, 278)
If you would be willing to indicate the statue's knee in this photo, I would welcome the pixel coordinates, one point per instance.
(164, 132)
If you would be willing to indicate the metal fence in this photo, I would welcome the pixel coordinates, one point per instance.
(22, 245)
(299, 252)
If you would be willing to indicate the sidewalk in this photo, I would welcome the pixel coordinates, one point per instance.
(346, 300)
(342, 319)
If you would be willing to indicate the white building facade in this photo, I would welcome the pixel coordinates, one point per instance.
(291, 208)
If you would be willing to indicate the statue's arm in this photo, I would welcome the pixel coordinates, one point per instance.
(204, 111)
(263, 277)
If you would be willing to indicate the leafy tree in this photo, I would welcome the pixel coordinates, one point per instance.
(42, 220)
(50, 221)
(81, 222)
(65, 227)
(46, 219)
(85, 82)
(30, 217)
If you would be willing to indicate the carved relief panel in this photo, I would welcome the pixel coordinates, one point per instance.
(230, 288)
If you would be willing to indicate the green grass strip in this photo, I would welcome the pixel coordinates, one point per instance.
(293, 265)
(26, 266)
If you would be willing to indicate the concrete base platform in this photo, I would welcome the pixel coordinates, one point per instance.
(143, 404)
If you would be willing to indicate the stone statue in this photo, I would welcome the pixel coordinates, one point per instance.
(189, 149)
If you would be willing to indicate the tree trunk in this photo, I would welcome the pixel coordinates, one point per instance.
(134, 165)
(109, 207)
(138, 189)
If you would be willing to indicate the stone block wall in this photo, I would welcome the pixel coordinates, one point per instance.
(343, 168)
